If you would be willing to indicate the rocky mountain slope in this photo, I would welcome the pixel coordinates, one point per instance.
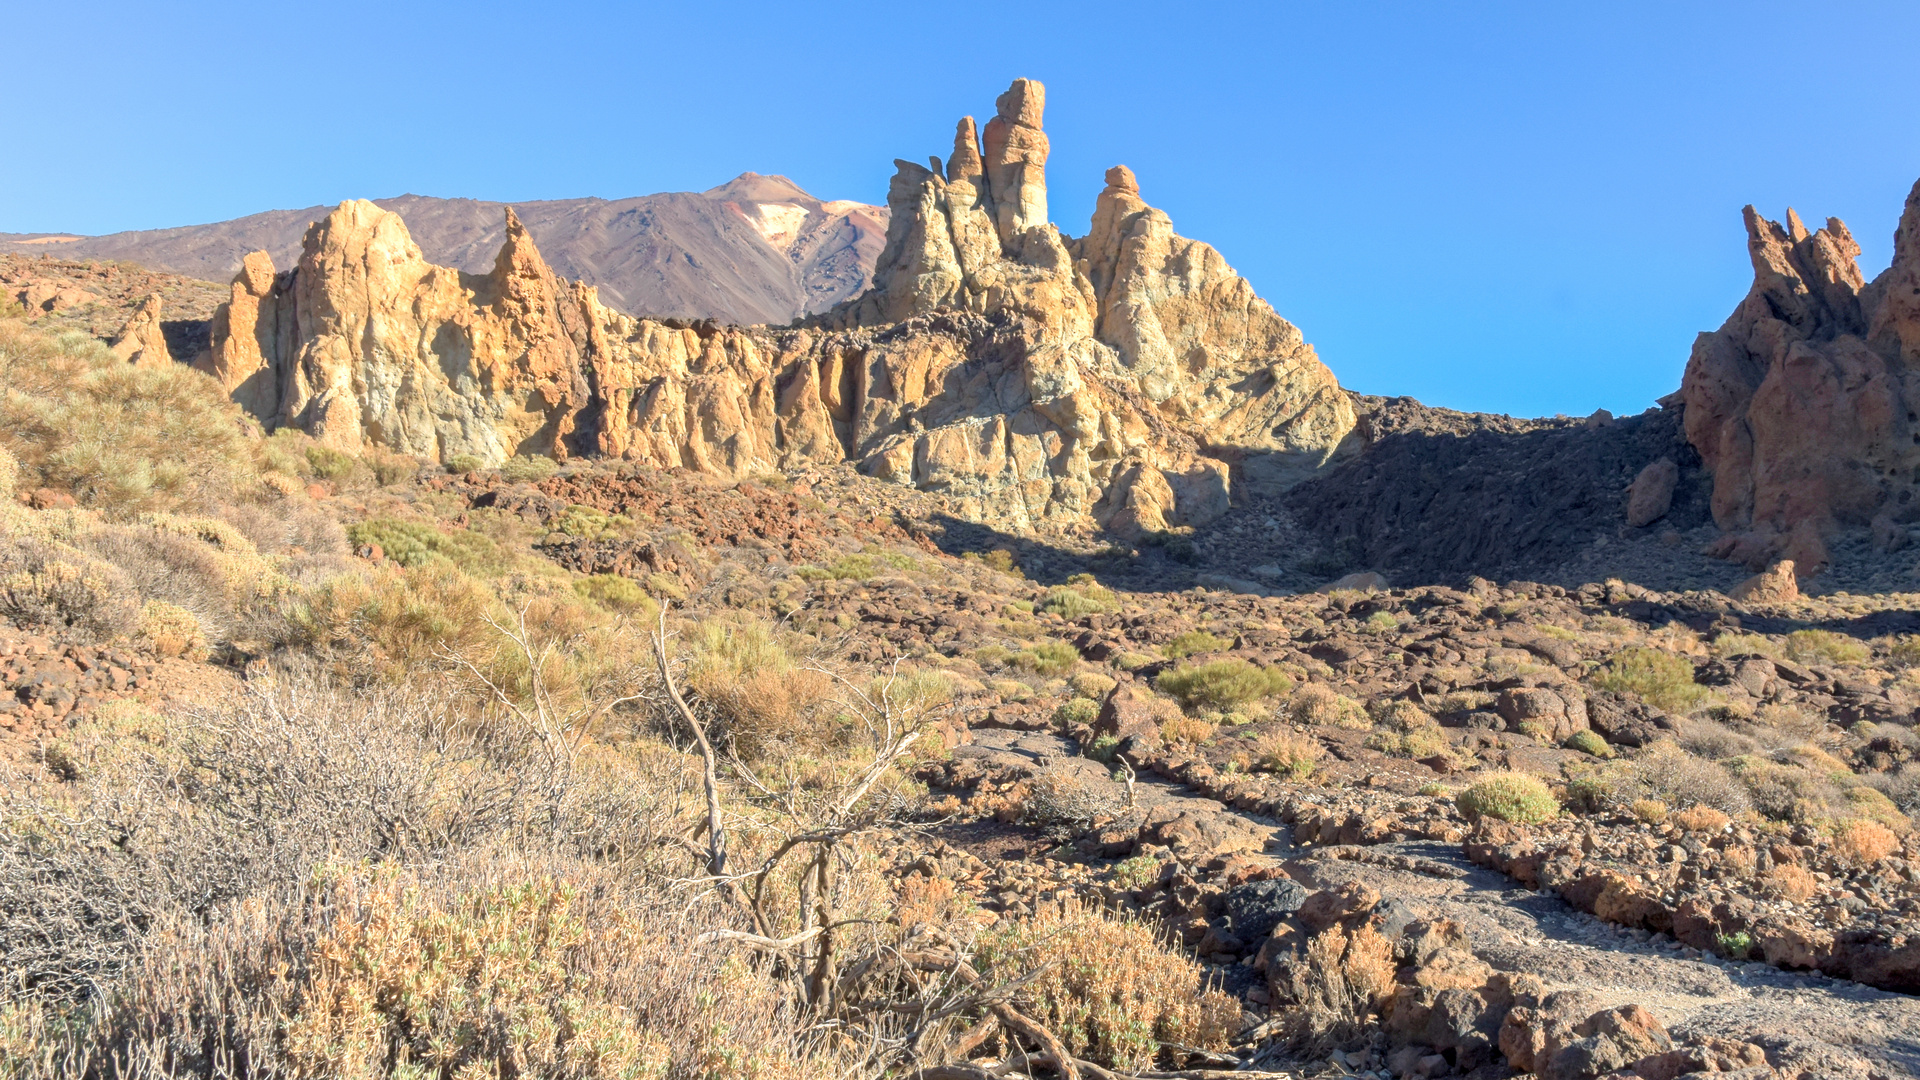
(756, 249)
(1124, 379)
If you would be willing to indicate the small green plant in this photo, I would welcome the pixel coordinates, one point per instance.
(1102, 748)
(1510, 796)
(1588, 741)
(1380, 622)
(1137, 872)
(1735, 946)
(1132, 661)
(1091, 684)
(1826, 647)
(1650, 811)
(1075, 711)
(465, 463)
(1192, 643)
(1222, 684)
(1434, 789)
(1323, 706)
(1661, 679)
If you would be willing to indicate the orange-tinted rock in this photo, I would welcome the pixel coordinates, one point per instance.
(1800, 404)
(1124, 380)
(140, 342)
(1777, 584)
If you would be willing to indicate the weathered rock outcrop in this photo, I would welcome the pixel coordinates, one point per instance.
(1124, 379)
(141, 342)
(1801, 404)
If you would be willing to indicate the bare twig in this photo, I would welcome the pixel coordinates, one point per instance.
(716, 828)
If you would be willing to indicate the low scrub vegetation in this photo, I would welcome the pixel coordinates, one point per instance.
(1510, 796)
(1222, 684)
(1659, 678)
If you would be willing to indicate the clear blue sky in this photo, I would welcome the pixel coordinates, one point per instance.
(1522, 207)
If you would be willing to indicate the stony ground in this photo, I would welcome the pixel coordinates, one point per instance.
(1724, 874)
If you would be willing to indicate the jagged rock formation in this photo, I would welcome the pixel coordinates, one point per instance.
(141, 341)
(1124, 378)
(756, 249)
(1801, 403)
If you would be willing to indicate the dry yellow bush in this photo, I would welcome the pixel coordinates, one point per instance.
(1701, 819)
(1109, 988)
(1288, 754)
(1322, 706)
(1789, 882)
(1862, 842)
(767, 703)
(9, 473)
(1337, 987)
(1187, 729)
(1651, 811)
(172, 631)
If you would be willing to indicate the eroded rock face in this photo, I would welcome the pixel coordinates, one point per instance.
(141, 342)
(1800, 404)
(1125, 379)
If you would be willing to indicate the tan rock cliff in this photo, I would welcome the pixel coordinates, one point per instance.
(1802, 404)
(1125, 379)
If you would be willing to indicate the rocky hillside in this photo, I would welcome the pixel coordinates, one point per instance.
(757, 249)
(1127, 379)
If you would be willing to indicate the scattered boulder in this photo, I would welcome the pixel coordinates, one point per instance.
(1774, 585)
(1650, 495)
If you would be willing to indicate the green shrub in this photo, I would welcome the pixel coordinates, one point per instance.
(54, 587)
(1510, 796)
(1136, 872)
(118, 437)
(1075, 711)
(1661, 679)
(588, 523)
(1735, 946)
(1132, 661)
(1826, 647)
(1380, 622)
(1406, 730)
(1222, 684)
(1048, 658)
(465, 463)
(616, 593)
(1082, 595)
(328, 463)
(413, 543)
(1588, 741)
(527, 470)
(1091, 684)
(1191, 643)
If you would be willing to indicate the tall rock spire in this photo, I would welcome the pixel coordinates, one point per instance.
(1016, 159)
